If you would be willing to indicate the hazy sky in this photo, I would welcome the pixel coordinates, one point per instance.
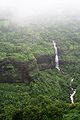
(30, 8)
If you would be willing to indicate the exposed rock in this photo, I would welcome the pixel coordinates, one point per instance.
(13, 71)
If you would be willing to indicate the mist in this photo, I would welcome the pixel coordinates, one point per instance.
(20, 10)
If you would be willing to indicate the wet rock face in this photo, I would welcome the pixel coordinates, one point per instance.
(45, 62)
(44, 59)
(12, 71)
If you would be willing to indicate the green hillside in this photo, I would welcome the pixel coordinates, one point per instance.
(31, 88)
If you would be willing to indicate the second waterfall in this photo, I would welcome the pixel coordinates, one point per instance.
(56, 56)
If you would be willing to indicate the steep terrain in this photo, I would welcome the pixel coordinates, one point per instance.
(28, 59)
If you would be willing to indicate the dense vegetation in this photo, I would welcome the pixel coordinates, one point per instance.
(39, 91)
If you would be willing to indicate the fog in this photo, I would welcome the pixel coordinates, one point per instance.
(29, 9)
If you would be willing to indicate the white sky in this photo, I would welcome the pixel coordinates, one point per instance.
(22, 8)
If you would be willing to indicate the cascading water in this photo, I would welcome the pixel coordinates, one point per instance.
(73, 91)
(56, 56)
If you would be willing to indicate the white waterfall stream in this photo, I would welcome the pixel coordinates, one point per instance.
(73, 91)
(56, 56)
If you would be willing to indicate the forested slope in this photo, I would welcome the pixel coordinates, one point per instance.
(31, 88)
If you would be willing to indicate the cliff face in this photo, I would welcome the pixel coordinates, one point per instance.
(12, 71)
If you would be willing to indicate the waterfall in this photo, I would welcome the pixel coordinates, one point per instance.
(56, 56)
(73, 91)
